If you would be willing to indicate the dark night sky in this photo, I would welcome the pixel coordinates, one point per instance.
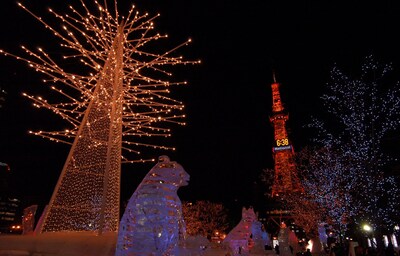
(228, 139)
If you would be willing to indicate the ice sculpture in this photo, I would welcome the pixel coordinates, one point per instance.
(152, 223)
(323, 237)
(286, 239)
(28, 219)
(294, 243)
(259, 237)
(247, 235)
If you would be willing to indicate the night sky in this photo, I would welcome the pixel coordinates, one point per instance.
(228, 138)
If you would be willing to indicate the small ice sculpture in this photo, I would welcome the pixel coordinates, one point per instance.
(240, 239)
(28, 219)
(287, 241)
(259, 237)
(152, 223)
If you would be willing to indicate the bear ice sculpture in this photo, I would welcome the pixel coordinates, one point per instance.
(152, 223)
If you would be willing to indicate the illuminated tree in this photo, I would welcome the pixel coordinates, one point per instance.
(204, 218)
(327, 186)
(304, 211)
(116, 99)
(352, 162)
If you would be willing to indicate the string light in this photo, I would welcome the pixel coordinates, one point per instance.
(112, 103)
(347, 175)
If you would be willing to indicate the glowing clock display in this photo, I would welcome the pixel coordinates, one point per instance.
(282, 142)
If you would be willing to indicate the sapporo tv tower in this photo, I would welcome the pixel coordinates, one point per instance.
(285, 179)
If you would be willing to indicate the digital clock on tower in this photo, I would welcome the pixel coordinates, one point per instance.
(282, 142)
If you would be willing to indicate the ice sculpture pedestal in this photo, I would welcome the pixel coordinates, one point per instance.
(59, 244)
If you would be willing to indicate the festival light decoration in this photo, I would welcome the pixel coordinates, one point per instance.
(114, 97)
(204, 218)
(347, 175)
(327, 186)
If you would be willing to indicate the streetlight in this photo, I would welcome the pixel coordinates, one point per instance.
(367, 228)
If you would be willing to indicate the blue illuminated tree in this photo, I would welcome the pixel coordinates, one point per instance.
(324, 172)
(349, 169)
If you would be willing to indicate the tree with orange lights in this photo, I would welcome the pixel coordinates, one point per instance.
(113, 92)
(205, 218)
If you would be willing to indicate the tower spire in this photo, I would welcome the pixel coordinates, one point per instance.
(273, 76)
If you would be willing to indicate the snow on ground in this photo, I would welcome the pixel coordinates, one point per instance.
(79, 244)
(58, 244)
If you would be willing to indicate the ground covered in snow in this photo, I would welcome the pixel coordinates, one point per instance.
(80, 244)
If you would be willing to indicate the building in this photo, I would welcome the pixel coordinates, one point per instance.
(10, 216)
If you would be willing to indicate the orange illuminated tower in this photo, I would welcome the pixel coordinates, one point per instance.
(285, 179)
